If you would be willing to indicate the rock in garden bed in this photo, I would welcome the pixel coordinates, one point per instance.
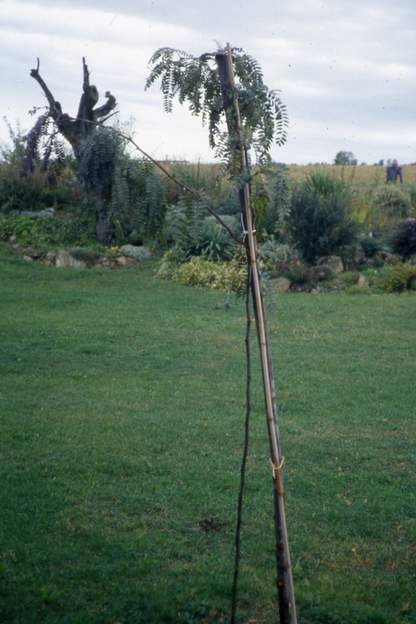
(64, 259)
(125, 261)
(132, 251)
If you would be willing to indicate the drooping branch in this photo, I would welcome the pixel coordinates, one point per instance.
(32, 142)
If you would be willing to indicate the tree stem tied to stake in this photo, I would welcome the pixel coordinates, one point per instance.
(285, 588)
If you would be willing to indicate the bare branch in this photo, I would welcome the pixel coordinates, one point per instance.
(86, 74)
(54, 106)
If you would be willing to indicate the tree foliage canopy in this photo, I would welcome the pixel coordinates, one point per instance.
(195, 81)
(345, 158)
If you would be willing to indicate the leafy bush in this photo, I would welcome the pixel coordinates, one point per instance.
(170, 262)
(45, 231)
(307, 277)
(225, 276)
(345, 281)
(401, 277)
(393, 202)
(376, 276)
(274, 255)
(403, 240)
(348, 278)
(320, 220)
(299, 273)
(17, 194)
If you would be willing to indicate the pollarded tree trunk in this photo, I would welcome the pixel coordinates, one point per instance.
(103, 225)
(76, 130)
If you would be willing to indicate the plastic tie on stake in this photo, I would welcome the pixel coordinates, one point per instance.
(245, 232)
(277, 475)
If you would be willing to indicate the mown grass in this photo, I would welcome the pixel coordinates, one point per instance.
(121, 431)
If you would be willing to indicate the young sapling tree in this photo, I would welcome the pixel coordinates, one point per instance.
(227, 90)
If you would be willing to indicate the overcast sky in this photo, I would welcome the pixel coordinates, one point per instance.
(346, 68)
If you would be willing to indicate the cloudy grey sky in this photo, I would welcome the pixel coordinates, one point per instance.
(346, 68)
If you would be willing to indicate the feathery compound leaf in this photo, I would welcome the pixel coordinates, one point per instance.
(195, 81)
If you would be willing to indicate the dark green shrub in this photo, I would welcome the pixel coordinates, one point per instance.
(274, 256)
(320, 220)
(228, 204)
(403, 240)
(300, 274)
(371, 245)
(17, 194)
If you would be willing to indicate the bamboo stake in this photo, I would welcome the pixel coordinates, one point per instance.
(286, 596)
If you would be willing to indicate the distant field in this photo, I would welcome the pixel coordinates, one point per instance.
(121, 415)
(362, 174)
(364, 179)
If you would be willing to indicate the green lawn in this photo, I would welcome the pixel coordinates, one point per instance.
(122, 407)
